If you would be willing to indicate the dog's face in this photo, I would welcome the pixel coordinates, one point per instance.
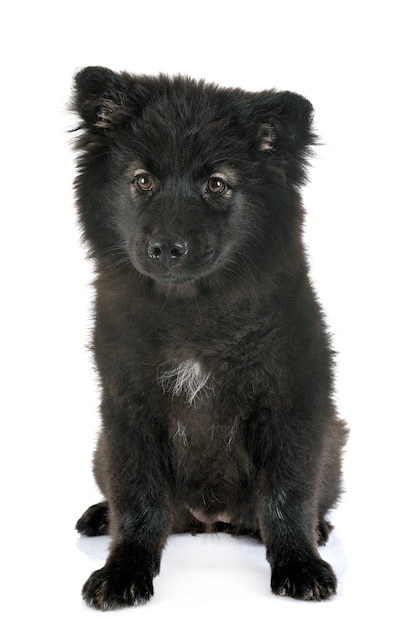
(180, 179)
(175, 224)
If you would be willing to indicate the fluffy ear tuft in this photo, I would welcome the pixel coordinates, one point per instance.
(99, 96)
(285, 129)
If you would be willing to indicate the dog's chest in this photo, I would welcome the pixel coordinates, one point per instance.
(185, 379)
(200, 407)
(205, 429)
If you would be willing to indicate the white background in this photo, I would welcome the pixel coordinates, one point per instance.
(343, 56)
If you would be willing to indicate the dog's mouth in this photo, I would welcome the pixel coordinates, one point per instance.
(177, 286)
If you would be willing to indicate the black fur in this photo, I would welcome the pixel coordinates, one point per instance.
(213, 355)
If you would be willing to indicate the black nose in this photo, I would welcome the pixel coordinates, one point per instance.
(167, 251)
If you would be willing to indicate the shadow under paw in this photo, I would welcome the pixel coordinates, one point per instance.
(304, 580)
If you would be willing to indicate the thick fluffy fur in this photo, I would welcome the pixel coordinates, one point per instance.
(212, 352)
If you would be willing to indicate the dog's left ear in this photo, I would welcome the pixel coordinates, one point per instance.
(285, 130)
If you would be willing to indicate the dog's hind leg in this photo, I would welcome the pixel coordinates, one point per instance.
(95, 521)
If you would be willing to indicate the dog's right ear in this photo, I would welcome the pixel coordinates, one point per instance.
(100, 97)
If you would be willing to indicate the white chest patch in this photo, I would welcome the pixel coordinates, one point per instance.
(184, 378)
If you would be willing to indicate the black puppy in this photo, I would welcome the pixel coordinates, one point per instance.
(213, 356)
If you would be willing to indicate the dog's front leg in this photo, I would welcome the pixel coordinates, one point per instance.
(289, 521)
(130, 468)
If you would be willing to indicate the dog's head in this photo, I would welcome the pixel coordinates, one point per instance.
(187, 182)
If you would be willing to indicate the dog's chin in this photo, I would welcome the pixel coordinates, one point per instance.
(174, 280)
(176, 286)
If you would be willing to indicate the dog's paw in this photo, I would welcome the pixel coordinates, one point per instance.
(323, 531)
(95, 521)
(304, 580)
(111, 588)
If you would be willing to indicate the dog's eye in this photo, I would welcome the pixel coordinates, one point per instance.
(216, 185)
(143, 182)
